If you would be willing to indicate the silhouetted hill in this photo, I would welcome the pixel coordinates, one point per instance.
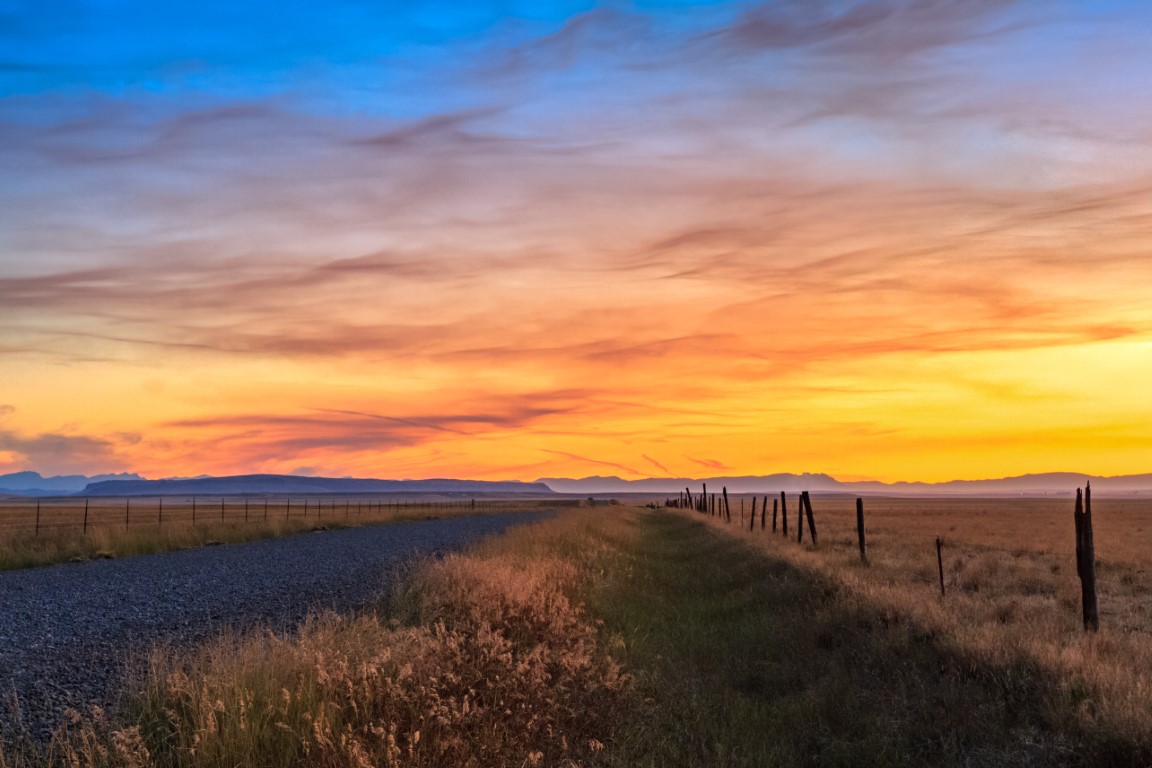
(35, 484)
(1038, 484)
(292, 484)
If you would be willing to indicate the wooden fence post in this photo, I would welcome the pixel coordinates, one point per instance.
(727, 509)
(800, 519)
(764, 514)
(1086, 559)
(221, 510)
(860, 530)
(193, 511)
(775, 503)
(265, 509)
(807, 501)
(751, 520)
(783, 513)
(707, 504)
(940, 563)
(85, 515)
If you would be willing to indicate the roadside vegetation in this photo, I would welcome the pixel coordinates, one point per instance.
(25, 548)
(623, 637)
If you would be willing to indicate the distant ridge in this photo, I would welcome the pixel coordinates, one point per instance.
(1030, 485)
(35, 484)
(300, 485)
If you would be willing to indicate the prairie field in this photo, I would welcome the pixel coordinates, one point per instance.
(624, 636)
(61, 529)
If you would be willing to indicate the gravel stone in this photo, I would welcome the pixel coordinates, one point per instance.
(67, 631)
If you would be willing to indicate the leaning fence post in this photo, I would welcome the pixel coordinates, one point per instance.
(764, 514)
(1086, 559)
(752, 519)
(806, 500)
(940, 563)
(783, 513)
(860, 529)
(727, 509)
(85, 515)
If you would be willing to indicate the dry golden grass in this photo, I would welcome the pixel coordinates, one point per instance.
(1013, 599)
(485, 661)
(148, 528)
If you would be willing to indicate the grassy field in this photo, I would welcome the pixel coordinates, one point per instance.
(123, 527)
(626, 637)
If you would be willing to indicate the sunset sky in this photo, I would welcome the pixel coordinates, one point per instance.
(894, 239)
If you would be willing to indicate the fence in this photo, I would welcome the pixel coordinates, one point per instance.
(83, 515)
(718, 506)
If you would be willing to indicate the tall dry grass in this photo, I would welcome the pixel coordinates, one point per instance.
(483, 659)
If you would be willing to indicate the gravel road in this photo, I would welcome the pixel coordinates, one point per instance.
(66, 630)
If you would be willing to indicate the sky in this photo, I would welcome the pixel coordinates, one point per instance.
(882, 239)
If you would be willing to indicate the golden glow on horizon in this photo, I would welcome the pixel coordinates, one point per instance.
(956, 356)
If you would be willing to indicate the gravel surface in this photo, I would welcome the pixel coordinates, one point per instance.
(66, 630)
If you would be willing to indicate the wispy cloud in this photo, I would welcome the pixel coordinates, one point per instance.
(709, 463)
(586, 460)
(656, 464)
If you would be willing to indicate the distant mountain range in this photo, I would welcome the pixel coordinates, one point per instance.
(294, 484)
(34, 484)
(1039, 484)
(126, 484)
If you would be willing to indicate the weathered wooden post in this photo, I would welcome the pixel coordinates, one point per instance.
(860, 529)
(193, 511)
(1086, 559)
(783, 514)
(85, 515)
(752, 519)
(221, 510)
(808, 513)
(764, 514)
(707, 505)
(288, 509)
(800, 519)
(940, 562)
(265, 509)
(727, 509)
